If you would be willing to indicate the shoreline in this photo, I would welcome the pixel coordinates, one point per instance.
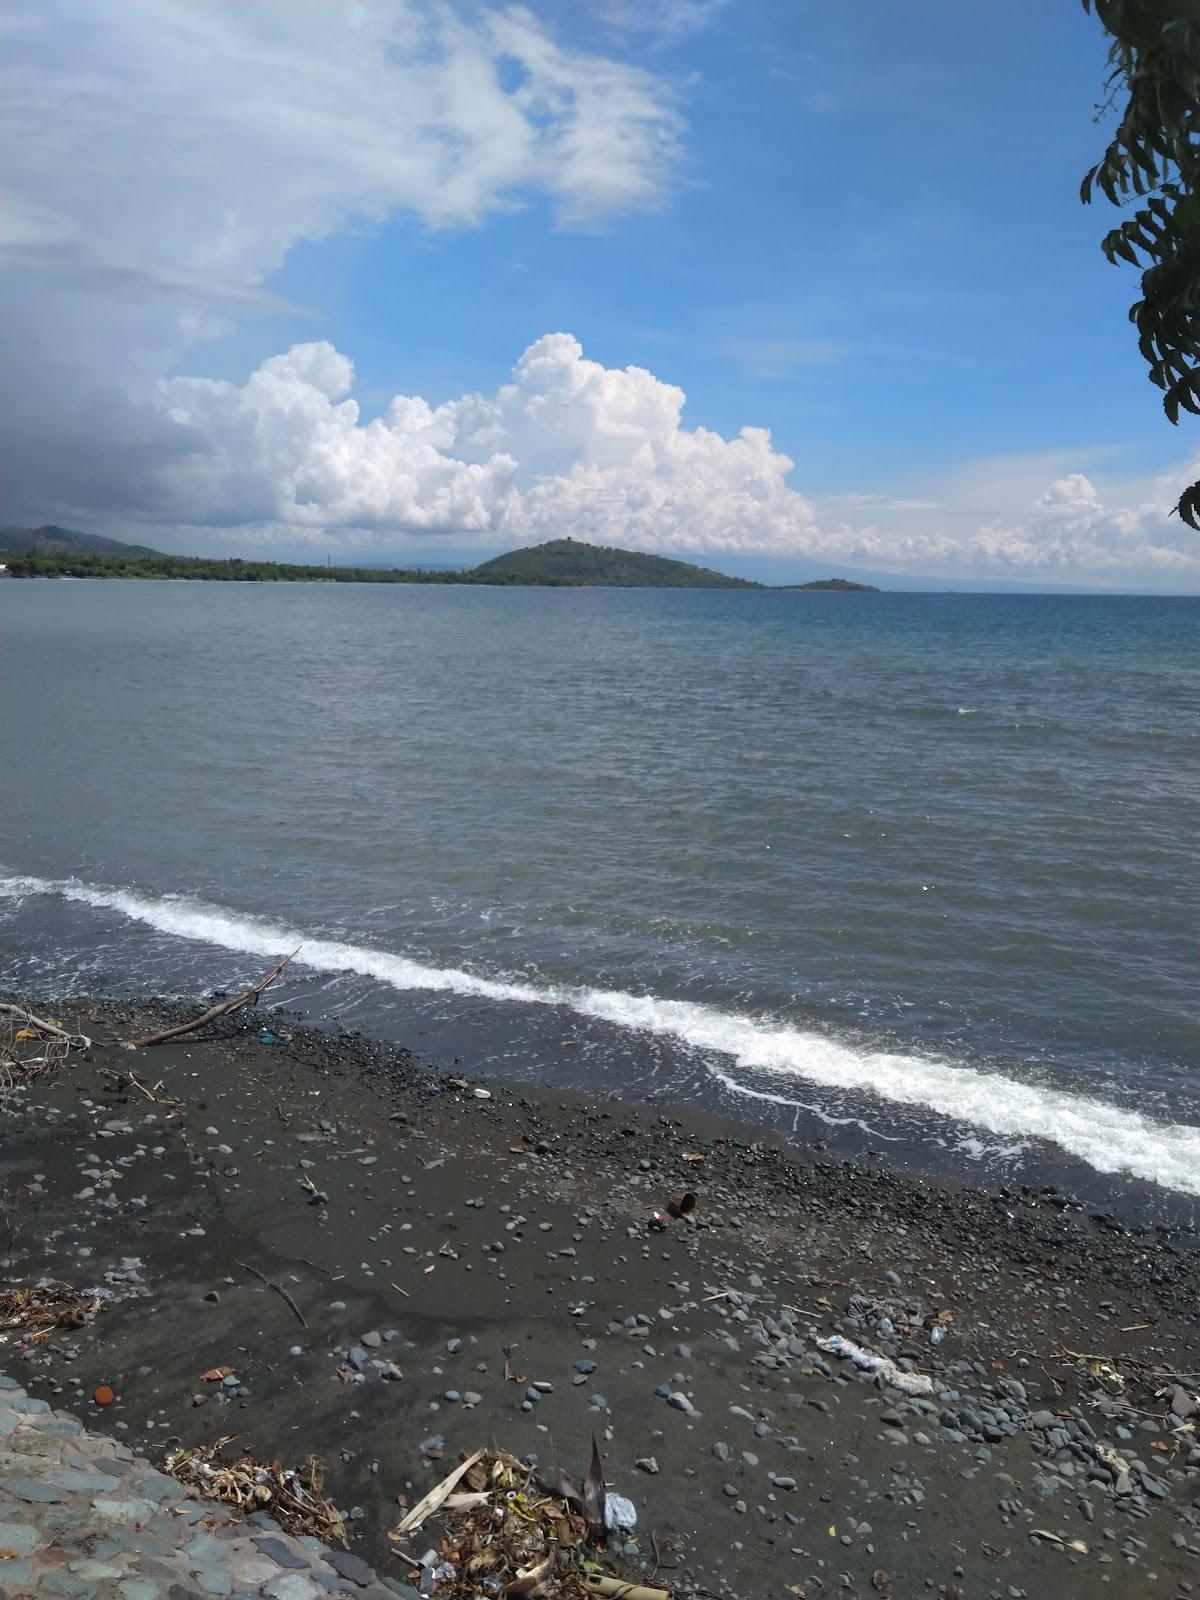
(695, 1348)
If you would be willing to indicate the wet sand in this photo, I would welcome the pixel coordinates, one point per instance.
(434, 1240)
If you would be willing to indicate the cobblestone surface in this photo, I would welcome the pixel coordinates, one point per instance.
(83, 1518)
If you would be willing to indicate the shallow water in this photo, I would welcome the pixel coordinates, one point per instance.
(919, 867)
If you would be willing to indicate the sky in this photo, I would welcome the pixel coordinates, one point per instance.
(771, 286)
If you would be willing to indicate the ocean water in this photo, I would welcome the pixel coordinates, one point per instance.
(905, 873)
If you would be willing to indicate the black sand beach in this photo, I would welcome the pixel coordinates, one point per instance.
(449, 1248)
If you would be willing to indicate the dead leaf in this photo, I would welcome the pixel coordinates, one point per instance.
(994, 1551)
(593, 1489)
(215, 1374)
(882, 1581)
(694, 1157)
(799, 1591)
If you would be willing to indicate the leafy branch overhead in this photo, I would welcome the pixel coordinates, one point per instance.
(1155, 155)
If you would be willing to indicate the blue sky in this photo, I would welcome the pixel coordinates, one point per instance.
(856, 226)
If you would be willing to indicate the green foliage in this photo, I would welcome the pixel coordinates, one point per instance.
(563, 563)
(234, 570)
(571, 562)
(834, 586)
(50, 540)
(1155, 155)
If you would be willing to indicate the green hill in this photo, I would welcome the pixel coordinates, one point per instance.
(54, 541)
(571, 562)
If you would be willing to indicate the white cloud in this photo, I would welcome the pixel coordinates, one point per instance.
(571, 446)
(163, 157)
(567, 446)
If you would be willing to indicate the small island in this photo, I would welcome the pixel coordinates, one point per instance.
(53, 552)
(835, 586)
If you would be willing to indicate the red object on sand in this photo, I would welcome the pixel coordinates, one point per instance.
(103, 1396)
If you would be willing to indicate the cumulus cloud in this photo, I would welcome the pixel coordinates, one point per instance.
(568, 446)
(572, 446)
(162, 158)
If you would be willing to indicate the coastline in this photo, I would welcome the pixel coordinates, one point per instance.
(532, 1209)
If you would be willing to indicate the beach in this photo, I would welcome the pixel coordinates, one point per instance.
(400, 1264)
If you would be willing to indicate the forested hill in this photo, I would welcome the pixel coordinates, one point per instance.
(570, 561)
(50, 540)
(562, 563)
(52, 552)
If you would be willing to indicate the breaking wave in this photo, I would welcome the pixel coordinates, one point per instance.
(764, 1057)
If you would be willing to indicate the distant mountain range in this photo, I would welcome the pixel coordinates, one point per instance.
(560, 563)
(54, 541)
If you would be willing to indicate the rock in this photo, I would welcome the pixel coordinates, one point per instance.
(352, 1567)
(647, 1464)
(292, 1587)
(281, 1553)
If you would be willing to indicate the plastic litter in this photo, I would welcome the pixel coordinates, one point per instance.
(267, 1037)
(868, 1361)
(620, 1515)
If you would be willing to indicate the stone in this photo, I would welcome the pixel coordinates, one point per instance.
(352, 1567)
(276, 1550)
(250, 1571)
(21, 1537)
(215, 1581)
(292, 1587)
(63, 1584)
(128, 1511)
(29, 1489)
(137, 1589)
(91, 1571)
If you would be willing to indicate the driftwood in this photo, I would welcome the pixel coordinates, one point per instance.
(271, 1284)
(74, 1041)
(223, 1008)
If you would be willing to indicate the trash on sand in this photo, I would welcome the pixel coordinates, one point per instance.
(868, 1361)
(620, 1515)
(267, 1037)
(658, 1222)
(34, 1312)
(294, 1498)
(215, 1374)
(617, 1589)
(429, 1503)
(502, 1532)
(103, 1395)
(30, 1047)
(682, 1205)
(1077, 1545)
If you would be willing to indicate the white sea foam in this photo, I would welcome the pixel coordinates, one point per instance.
(768, 1057)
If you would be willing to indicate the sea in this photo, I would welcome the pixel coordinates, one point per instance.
(909, 877)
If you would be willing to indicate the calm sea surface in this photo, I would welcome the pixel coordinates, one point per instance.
(909, 871)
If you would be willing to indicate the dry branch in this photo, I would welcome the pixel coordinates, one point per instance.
(223, 1008)
(278, 1288)
(76, 1041)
